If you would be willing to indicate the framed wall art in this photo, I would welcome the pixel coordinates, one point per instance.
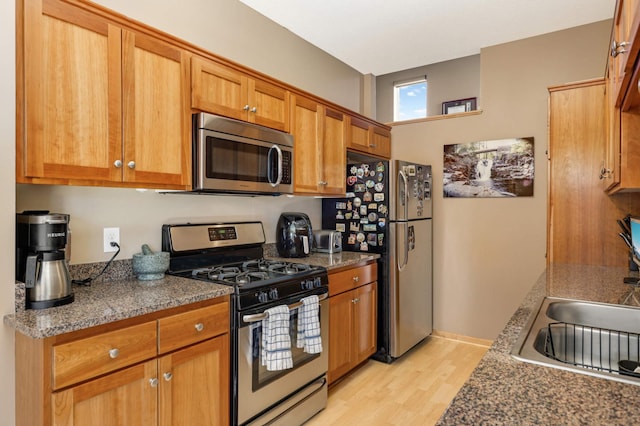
(489, 169)
(461, 105)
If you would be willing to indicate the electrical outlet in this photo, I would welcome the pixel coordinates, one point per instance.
(111, 235)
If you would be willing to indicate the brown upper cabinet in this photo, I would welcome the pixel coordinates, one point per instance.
(223, 90)
(368, 138)
(320, 154)
(101, 105)
(620, 171)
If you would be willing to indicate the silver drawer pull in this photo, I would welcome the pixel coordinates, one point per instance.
(113, 353)
(167, 376)
(153, 382)
(356, 278)
(199, 326)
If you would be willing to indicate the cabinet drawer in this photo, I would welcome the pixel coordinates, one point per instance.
(90, 357)
(194, 326)
(342, 281)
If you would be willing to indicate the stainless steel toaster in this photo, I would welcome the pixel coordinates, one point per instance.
(327, 241)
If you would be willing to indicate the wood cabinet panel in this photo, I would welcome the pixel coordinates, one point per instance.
(122, 398)
(352, 319)
(194, 385)
(369, 138)
(156, 112)
(219, 89)
(582, 225)
(351, 278)
(341, 335)
(72, 93)
(86, 358)
(320, 154)
(191, 327)
(102, 105)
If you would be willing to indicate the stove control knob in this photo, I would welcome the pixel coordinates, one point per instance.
(317, 282)
(309, 284)
(263, 297)
(273, 293)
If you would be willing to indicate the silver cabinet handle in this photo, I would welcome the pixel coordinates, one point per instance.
(323, 182)
(167, 376)
(246, 108)
(618, 48)
(356, 278)
(131, 164)
(356, 300)
(117, 164)
(254, 109)
(199, 326)
(638, 85)
(153, 382)
(113, 353)
(372, 145)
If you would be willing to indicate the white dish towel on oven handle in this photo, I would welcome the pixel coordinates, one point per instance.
(308, 336)
(276, 340)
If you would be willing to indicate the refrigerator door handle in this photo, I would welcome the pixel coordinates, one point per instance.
(405, 194)
(406, 247)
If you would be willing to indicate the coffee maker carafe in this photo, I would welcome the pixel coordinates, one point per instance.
(41, 246)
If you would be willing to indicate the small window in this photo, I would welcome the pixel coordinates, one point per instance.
(410, 99)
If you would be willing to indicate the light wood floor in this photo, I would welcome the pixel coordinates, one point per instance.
(414, 390)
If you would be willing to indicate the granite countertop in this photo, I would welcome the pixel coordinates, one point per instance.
(109, 301)
(121, 296)
(328, 260)
(503, 390)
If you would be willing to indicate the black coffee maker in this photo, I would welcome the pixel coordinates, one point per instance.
(294, 236)
(42, 240)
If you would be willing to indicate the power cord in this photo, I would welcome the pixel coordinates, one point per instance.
(87, 281)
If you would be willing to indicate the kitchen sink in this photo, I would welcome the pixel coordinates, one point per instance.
(586, 337)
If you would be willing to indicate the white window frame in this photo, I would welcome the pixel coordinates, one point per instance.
(397, 85)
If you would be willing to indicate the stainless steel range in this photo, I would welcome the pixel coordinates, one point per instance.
(232, 254)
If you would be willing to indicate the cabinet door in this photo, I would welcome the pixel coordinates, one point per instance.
(72, 95)
(194, 384)
(380, 142)
(358, 136)
(334, 153)
(268, 105)
(126, 397)
(341, 334)
(365, 321)
(306, 127)
(157, 145)
(218, 89)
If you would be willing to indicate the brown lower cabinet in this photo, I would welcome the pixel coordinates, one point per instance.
(352, 318)
(124, 376)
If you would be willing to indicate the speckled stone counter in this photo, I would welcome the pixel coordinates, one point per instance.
(503, 390)
(329, 261)
(105, 302)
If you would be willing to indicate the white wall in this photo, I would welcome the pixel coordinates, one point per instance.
(489, 252)
(7, 211)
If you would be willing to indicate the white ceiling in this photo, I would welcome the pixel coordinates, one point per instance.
(383, 36)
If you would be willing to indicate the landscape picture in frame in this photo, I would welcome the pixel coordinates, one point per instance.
(489, 169)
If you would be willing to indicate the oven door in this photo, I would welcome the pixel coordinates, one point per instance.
(258, 389)
(229, 163)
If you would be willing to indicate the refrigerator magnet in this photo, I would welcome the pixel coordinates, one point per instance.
(370, 183)
(378, 196)
(371, 239)
(356, 215)
(360, 237)
(348, 215)
(382, 222)
(359, 187)
(364, 247)
(372, 217)
(370, 227)
(354, 226)
(340, 227)
(382, 209)
(352, 239)
(360, 173)
(380, 239)
(378, 186)
(357, 202)
(351, 180)
(353, 170)
(367, 197)
(341, 205)
(363, 210)
(339, 215)
(380, 167)
(373, 206)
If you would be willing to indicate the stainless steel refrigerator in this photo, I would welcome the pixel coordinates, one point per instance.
(387, 210)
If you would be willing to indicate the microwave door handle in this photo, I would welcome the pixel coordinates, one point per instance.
(279, 179)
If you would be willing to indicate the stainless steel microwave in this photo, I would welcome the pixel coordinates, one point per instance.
(232, 156)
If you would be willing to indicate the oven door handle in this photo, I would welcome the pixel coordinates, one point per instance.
(263, 315)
